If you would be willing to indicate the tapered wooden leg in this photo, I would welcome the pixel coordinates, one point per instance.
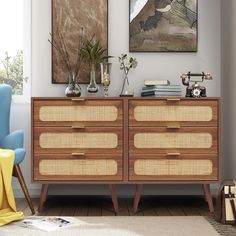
(43, 196)
(137, 196)
(114, 198)
(19, 175)
(204, 194)
(208, 197)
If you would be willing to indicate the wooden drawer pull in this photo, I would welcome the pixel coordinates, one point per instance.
(173, 99)
(173, 127)
(78, 154)
(78, 127)
(173, 154)
(77, 99)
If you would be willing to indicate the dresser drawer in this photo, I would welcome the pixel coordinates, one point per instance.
(72, 140)
(69, 112)
(167, 140)
(162, 112)
(173, 167)
(80, 167)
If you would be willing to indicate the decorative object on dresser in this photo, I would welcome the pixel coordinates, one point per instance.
(68, 17)
(161, 90)
(106, 76)
(156, 82)
(145, 141)
(73, 67)
(163, 26)
(195, 90)
(127, 63)
(95, 54)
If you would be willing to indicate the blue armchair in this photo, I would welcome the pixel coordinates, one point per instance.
(13, 141)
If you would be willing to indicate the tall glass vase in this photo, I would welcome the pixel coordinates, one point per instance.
(73, 89)
(93, 87)
(126, 90)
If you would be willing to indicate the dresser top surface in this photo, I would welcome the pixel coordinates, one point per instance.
(124, 98)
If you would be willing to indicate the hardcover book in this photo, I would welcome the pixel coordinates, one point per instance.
(156, 82)
(161, 93)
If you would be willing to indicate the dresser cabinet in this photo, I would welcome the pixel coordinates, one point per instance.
(77, 141)
(174, 140)
(125, 140)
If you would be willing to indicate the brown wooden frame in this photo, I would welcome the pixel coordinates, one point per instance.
(140, 130)
(116, 130)
(116, 157)
(79, 102)
(213, 158)
(173, 102)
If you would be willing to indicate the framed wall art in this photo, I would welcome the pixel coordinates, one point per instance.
(163, 26)
(68, 17)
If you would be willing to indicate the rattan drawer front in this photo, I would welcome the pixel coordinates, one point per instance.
(88, 140)
(199, 167)
(164, 140)
(78, 167)
(88, 167)
(78, 112)
(78, 140)
(165, 112)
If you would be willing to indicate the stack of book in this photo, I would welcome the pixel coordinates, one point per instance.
(161, 88)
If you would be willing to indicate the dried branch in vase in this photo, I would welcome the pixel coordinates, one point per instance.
(61, 47)
(127, 63)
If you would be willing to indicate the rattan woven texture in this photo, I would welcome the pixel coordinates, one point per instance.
(78, 167)
(173, 113)
(173, 167)
(78, 140)
(173, 140)
(78, 113)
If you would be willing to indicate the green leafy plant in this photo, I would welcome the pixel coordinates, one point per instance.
(94, 52)
(11, 72)
(126, 63)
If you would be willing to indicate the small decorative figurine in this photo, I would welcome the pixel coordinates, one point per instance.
(195, 90)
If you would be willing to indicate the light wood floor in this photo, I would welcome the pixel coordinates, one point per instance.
(102, 206)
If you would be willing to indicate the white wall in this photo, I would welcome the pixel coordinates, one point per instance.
(151, 66)
(229, 87)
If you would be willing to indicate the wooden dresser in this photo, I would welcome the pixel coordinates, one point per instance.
(125, 141)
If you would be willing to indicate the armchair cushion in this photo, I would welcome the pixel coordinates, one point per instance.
(19, 155)
(13, 141)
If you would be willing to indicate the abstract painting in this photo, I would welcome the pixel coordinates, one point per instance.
(163, 26)
(68, 17)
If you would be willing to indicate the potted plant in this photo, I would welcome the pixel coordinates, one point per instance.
(95, 54)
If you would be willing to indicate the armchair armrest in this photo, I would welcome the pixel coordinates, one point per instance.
(13, 141)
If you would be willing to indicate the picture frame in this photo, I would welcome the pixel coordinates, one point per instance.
(147, 26)
(69, 17)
